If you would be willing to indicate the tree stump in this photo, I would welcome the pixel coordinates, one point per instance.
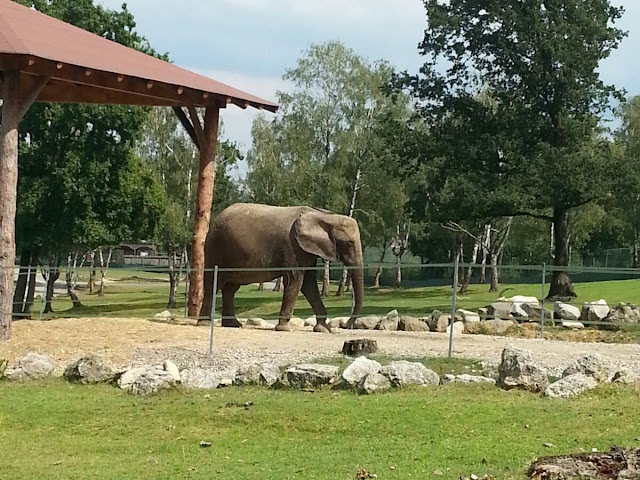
(359, 346)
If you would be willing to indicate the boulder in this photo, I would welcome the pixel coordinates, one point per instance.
(146, 381)
(373, 383)
(572, 325)
(166, 315)
(566, 311)
(411, 324)
(257, 322)
(202, 379)
(312, 322)
(367, 323)
(31, 366)
(483, 313)
(625, 376)
(388, 324)
(520, 299)
(490, 327)
(172, 369)
(499, 310)
(592, 365)
(89, 369)
(265, 374)
(357, 370)
(309, 375)
(359, 346)
(517, 370)
(623, 313)
(458, 328)
(595, 311)
(468, 316)
(393, 314)
(296, 322)
(466, 378)
(338, 322)
(402, 373)
(440, 323)
(571, 386)
(534, 312)
(519, 313)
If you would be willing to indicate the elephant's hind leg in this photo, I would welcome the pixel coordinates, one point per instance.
(312, 294)
(292, 284)
(228, 311)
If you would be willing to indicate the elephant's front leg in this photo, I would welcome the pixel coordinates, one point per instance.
(312, 294)
(228, 311)
(292, 285)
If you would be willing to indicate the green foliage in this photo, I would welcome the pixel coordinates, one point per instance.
(80, 184)
(53, 428)
(512, 98)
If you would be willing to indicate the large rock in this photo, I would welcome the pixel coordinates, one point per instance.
(373, 383)
(265, 374)
(466, 378)
(166, 315)
(534, 312)
(571, 386)
(499, 310)
(402, 373)
(595, 311)
(483, 313)
(357, 370)
(89, 369)
(521, 299)
(312, 321)
(257, 322)
(592, 365)
(566, 311)
(146, 381)
(411, 324)
(468, 316)
(338, 322)
(519, 313)
(458, 329)
(31, 366)
(359, 346)
(625, 376)
(172, 369)
(517, 370)
(296, 322)
(389, 324)
(309, 375)
(367, 323)
(490, 327)
(623, 313)
(440, 323)
(205, 379)
(572, 324)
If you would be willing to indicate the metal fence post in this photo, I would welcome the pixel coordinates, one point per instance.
(213, 308)
(544, 275)
(454, 290)
(186, 294)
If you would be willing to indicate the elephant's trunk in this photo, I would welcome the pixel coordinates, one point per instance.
(357, 281)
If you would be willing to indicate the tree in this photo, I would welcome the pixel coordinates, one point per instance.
(535, 146)
(80, 185)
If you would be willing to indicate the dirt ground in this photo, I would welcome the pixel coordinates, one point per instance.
(135, 342)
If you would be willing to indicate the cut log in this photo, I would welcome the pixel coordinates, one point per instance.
(359, 346)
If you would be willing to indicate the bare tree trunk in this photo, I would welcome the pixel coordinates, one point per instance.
(174, 278)
(52, 277)
(376, 280)
(8, 189)
(326, 279)
(206, 184)
(31, 290)
(261, 287)
(278, 286)
(398, 282)
(92, 272)
(635, 263)
(71, 266)
(352, 206)
(21, 285)
(474, 256)
(494, 272)
(103, 270)
(486, 245)
(561, 285)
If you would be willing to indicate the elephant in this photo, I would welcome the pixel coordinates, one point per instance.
(281, 240)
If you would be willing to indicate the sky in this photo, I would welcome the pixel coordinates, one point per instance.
(250, 43)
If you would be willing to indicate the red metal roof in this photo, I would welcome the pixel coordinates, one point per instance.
(27, 32)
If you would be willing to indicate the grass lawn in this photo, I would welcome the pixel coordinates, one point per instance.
(54, 430)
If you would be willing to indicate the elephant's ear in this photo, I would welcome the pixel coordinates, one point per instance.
(314, 236)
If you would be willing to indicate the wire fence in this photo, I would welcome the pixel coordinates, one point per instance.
(419, 291)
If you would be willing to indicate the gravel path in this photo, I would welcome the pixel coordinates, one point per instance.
(135, 342)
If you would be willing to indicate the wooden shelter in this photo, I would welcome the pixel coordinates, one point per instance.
(43, 59)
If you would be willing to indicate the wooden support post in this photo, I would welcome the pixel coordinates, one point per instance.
(12, 112)
(202, 218)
